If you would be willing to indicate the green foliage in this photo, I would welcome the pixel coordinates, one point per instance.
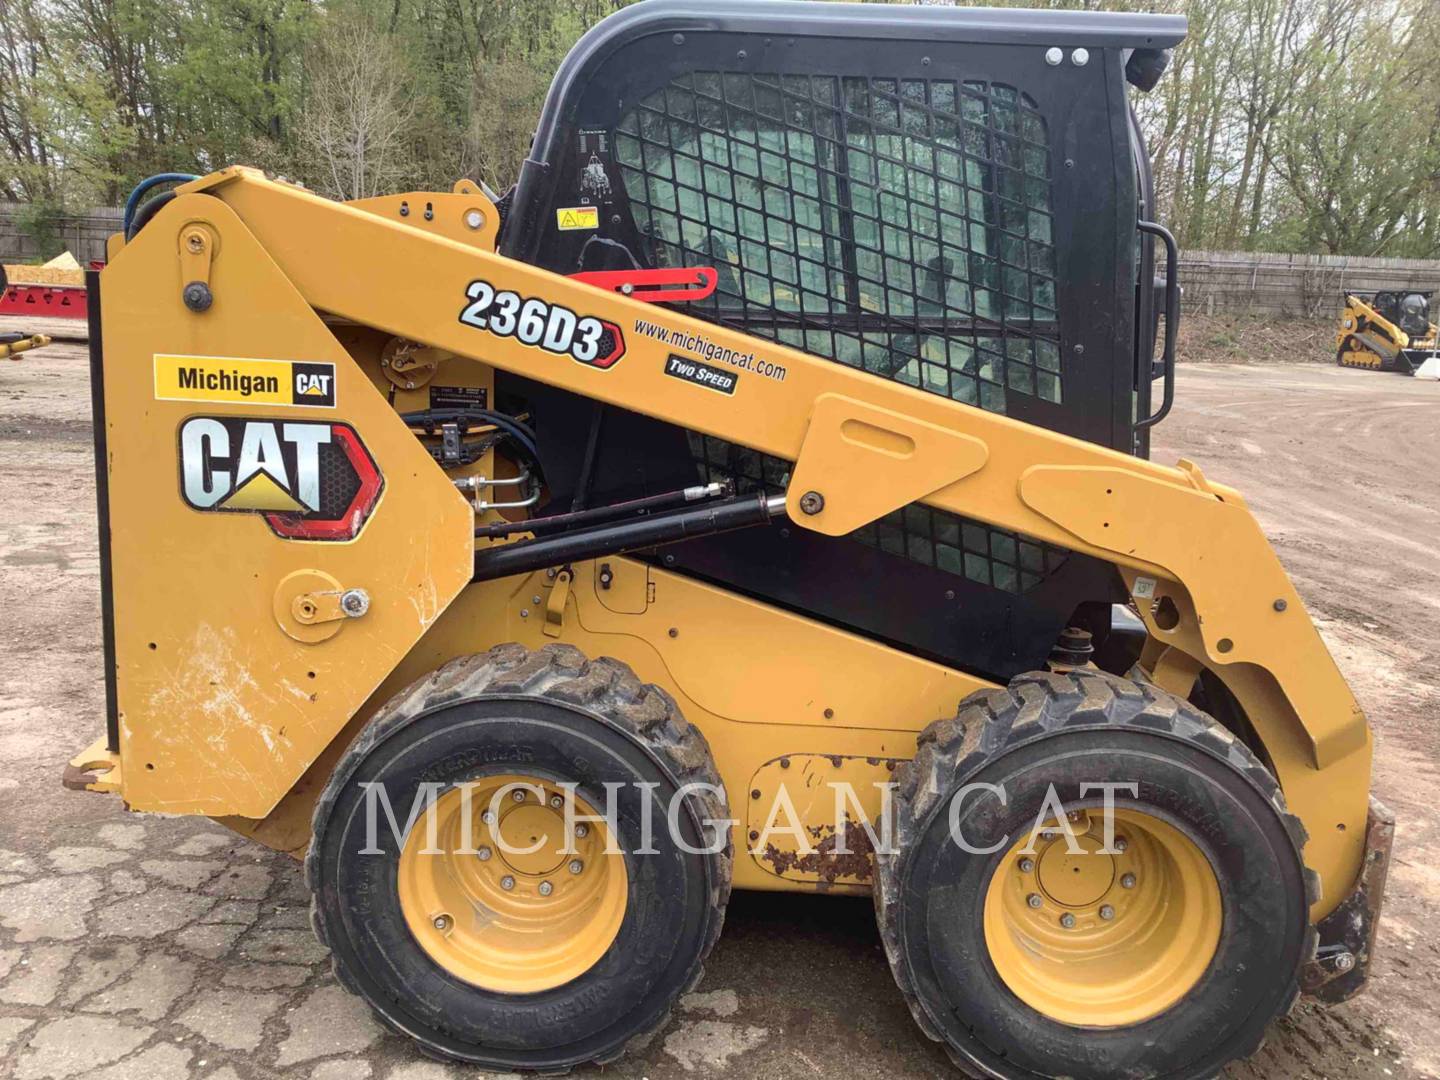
(1299, 125)
(41, 222)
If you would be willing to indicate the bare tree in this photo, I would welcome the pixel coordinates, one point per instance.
(354, 130)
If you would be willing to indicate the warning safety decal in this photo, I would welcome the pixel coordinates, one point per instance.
(577, 217)
(231, 380)
(310, 481)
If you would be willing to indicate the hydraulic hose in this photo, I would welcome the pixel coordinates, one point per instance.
(128, 224)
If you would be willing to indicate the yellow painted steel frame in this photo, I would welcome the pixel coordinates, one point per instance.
(1211, 590)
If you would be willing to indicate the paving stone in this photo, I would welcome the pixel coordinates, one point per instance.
(28, 741)
(17, 862)
(234, 1019)
(11, 1028)
(265, 976)
(70, 860)
(128, 836)
(8, 959)
(293, 891)
(213, 940)
(286, 946)
(288, 918)
(156, 911)
(97, 967)
(182, 873)
(341, 1070)
(150, 990)
(127, 883)
(38, 976)
(329, 1021)
(206, 842)
(51, 909)
(164, 1061)
(420, 1070)
(246, 882)
(75, 1045)
(242, 912)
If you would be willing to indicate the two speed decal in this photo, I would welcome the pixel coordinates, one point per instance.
(532, 321)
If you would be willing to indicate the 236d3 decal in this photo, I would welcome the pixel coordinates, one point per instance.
(547, 326)
(310, 481)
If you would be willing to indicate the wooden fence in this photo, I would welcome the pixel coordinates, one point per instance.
(83, 235)
(1295, 286)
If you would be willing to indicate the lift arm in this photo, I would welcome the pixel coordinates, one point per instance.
(864, 445)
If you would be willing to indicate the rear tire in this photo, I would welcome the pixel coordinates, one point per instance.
(556, 717)
(1214, 814)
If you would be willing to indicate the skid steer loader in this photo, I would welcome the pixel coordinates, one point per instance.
(756, 496)
(1388, 331)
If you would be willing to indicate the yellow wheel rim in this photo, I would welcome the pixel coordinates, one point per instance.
(1102, 940)
(509, 906)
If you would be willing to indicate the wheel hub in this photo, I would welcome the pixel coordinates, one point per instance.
(504, 899)
(1099, 937)
(533, 838)
(1079, 879)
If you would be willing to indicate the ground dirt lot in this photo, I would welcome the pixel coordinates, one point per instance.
(141, 946)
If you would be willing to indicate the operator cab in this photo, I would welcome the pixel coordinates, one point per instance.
(950, 198)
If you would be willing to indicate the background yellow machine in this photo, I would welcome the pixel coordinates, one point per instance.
(1388, 331)
(781, 433)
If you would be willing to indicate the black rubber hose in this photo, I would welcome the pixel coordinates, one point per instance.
(432, 419)
(127, 222)
(145, 213)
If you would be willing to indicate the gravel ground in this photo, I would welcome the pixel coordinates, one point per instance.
(154, 947)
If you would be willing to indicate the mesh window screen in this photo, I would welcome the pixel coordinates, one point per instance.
(900, 226)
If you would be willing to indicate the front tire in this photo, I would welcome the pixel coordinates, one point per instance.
(1166, 955)
(487, 953)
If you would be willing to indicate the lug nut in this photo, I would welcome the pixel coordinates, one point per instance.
(442, 923)
(488, 817)
(546, 888)
(517, 796)
(1027, 865)
(1034, 900)
(507, 882)
(484, 854)
(1067, 921)
(1121, 844)
(582, 831)
(556, 802)
(1107, 912)
(576, 866)
(1128, 881)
